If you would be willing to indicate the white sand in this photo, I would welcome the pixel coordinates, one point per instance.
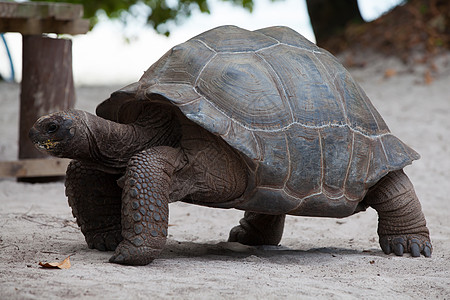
(325, 258)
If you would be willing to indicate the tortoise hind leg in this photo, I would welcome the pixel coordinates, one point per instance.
(258, 229)
(401, 223)
(95, 199)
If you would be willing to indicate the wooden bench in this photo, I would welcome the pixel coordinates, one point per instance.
(47, 80)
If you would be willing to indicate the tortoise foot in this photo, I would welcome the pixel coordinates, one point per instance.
(104, 241)
(240, 235)
(258, 229)
(400, 244)
(128, 254)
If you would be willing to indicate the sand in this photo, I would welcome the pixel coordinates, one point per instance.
(318, 257)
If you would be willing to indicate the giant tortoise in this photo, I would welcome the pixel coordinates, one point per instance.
(262, 121)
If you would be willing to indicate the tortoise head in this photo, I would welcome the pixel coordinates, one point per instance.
(59, 134)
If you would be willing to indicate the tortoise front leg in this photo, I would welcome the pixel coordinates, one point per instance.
(258, 229)
(401, 223)
(145, 205)
(95, 199)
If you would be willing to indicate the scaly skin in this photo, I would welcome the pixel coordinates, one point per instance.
(95, 199)
(145, 205)
(401, 223)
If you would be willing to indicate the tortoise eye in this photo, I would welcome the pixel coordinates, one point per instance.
(52, 127)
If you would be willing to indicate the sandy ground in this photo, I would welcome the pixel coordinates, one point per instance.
(319, 258)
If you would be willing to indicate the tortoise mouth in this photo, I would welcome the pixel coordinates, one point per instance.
(41, 143)
(46, 145)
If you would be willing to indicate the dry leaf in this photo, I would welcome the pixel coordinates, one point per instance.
(389, 73)
(65, 264)
(428, 78)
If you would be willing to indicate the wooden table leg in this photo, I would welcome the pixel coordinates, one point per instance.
(47, 86)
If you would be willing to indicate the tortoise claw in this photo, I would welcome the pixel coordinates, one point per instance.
(118, 259)
(398, 249)
(415, 249)
(427, 249)
(415, 245)
(385, 245)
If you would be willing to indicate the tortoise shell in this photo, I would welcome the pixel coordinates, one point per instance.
(313, 141)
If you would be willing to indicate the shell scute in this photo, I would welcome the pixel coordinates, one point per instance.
(180, 65)
(274, 162)
(336, 150)
(378, 162)
(312, 99)
(305, 162)
(355, 181)
(241, 87)
(361, 114)
(397, 153)
(288, 36)
(269, 201)
(203, 112)
(234, 39)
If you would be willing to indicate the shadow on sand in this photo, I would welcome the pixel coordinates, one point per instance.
(226, 250)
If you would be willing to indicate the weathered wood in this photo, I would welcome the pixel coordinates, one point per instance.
(47, 85)
(40, 10)
(36, 26)
(34, 167)
(42, 17)
(47, 81)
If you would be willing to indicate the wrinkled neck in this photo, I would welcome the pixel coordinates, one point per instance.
(106, 142)
(112, 144)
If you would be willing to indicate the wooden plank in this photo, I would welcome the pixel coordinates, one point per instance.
(40, 10)
(34, 167)
(36, 26)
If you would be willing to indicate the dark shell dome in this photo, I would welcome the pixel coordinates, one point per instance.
(286, 104)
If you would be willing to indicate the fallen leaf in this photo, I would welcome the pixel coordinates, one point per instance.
(428, 78)
(389, 73)
(65, 264)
